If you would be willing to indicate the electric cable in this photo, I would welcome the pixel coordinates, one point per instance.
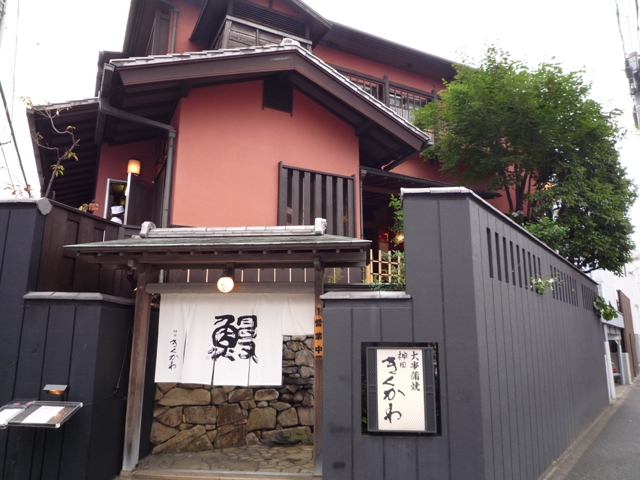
(13, 136)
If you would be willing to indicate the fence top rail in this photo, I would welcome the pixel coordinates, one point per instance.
(505, 218)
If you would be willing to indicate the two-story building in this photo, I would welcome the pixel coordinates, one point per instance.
(233, 113)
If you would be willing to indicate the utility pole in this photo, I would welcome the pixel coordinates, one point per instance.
(628, 15)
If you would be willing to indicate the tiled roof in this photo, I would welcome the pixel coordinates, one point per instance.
(285, 47)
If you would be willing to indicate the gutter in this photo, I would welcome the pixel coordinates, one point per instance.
(105, 109)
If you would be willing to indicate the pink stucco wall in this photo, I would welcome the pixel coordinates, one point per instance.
(187, 19)
(226, 170)
(379, 70)
(113, 164)
(416, 167)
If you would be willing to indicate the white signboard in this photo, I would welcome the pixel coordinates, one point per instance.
(400, 392)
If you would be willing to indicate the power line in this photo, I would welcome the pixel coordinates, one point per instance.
(13, 136)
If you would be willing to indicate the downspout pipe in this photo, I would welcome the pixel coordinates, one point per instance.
(106, 109)
(174, 29)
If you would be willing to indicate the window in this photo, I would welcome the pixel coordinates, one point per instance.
(403, 101)
(277, 95)
(305, 195)
(159, 40)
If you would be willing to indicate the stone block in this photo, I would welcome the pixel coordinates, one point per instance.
(184, 396)
(172, 417)
(299, 338)
(251, 439)
(218, 395)
(295, 346)
(297, 381)
(223, 430)
(161, 433)
(241, 395)
(184, 426)
(262, 404)
(248, 405)
(158, 395)
(211, 435)
(200, 444)
(304, 357)
(159, 411)
(289, 436)
(165, 387)
(288, 363)
(181, 440)
(201, 415)
(308, 401)
(235, 438)
(288, 418)
(306, 372)
(229, 388)
(309, 343)
(261, 418)
(229, 414)
(280, 406)
(267, 394)
(298, 397)
(289, 370)
(305, 415)
(288, 354)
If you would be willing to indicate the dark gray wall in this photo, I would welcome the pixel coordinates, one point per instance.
(521, 374)
(83, 344)
(21, 227)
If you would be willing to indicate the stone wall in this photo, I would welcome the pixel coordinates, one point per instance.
(190, 418)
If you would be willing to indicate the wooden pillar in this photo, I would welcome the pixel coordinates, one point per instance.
(318, 372)
(133, 421)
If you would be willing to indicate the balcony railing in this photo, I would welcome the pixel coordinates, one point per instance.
(399, 98)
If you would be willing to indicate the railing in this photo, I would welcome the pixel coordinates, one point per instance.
(399, 98)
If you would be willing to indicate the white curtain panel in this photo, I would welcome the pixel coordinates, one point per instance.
(228, 339)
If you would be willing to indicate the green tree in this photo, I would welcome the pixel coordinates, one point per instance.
(536, 136)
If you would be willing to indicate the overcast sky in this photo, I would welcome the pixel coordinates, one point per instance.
(58, 44)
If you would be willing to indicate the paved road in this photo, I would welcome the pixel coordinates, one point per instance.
(611, 450)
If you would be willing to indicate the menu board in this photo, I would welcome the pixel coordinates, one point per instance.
(38, 414)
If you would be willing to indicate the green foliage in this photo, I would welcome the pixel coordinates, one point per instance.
(604, 309)
(398, 218)
(536, 136)
(550, 232)
(542, 286)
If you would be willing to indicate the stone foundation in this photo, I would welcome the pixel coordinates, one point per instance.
(190, 418)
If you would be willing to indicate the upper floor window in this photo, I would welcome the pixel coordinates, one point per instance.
(399, 98)
(403, 101)
(159, 40)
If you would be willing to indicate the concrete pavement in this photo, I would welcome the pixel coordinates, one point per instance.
(610, 449)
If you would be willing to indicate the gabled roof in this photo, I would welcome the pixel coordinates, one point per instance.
(152, 87)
